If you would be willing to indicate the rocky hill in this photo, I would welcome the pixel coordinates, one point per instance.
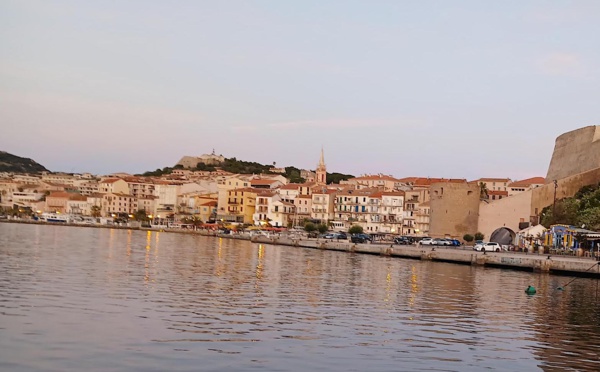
(17, 164)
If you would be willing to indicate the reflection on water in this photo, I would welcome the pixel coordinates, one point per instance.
(150, 301)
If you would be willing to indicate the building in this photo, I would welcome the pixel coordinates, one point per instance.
(113, 186)
(116, 204)
(525, 185)
(240, 206)
(323, 203)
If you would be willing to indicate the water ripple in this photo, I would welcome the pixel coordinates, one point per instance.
(131, 300)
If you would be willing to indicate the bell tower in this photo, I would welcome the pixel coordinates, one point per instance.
(321, 170)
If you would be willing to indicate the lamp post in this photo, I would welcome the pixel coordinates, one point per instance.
(554, 204)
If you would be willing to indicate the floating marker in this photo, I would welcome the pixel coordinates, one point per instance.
(530, 290)
(560, 289)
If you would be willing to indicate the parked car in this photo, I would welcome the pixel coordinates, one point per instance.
(489, 247)
(440, 241)
(426, 241)
(336, 235)
(455, 242)
(403, 240)
(361, 238)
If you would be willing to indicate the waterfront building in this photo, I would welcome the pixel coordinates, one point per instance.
(323, 203)
(302, 208)
(240, 206)
(118, 204)
(56, 202)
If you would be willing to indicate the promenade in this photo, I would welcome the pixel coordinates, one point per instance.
(549, 263)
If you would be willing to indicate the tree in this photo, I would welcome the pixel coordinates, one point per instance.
(468, 238)
(140, 215)
(95, 210)
(355, 229)
(479, 236)
(322, 228)
(483, 191)
(310, 227)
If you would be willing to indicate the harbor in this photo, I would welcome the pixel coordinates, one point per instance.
(547, 263)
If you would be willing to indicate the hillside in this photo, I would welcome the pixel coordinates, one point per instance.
(234, 165)
(17, 164)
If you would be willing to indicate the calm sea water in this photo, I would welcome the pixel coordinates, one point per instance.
(116, 300)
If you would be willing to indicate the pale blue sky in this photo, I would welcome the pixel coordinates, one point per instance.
(463, 89)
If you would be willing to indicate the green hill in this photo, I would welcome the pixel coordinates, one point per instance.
(16, 164)
(234, 165)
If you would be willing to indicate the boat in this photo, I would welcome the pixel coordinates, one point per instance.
(54, 217)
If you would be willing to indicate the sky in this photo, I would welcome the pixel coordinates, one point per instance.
(461, 89)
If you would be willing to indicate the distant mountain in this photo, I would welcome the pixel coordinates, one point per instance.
(17, 164)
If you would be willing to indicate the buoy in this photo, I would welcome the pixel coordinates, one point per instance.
(560, 288)
(530, 290)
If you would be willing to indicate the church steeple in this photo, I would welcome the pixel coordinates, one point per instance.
(322, 170)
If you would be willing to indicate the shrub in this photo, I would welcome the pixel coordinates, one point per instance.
(355, 229)
(479, 236)
(310, 227)
(468, 238)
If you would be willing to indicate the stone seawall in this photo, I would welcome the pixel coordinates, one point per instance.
(530, 262)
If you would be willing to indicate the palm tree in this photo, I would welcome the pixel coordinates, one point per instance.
(95, 211)
(483, 191)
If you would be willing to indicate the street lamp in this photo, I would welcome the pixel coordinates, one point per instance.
(554, 204)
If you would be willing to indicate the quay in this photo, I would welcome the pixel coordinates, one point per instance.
(548, 263)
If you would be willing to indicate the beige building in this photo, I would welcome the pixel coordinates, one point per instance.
(113, 186)
(378, 181)
(323, 202)
(494, 184)
(525, 185)
(302, 208)
(119, 204)
(57, 202)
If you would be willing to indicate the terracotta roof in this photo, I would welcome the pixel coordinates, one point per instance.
(111, 180)
(528, 182)
(430, 181)
(375, 177)
(393, 193)
(60, 194)
(408, 179)
(246, 189)
(303, 196)
(263, 182)
(78, 197)
(493, 180)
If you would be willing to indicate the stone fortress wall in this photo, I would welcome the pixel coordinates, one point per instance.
(454, 209)
(575, 163)
(574, 153)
